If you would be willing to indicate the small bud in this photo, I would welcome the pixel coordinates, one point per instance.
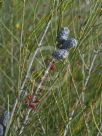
(63, 34)
(71, 43)
(30, 97)
(37, 101)
(60, 54)
(31, 106)
(18, 26)
(53, 67)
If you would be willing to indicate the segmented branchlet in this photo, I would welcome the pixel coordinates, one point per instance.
(3, 122)
(63, 43)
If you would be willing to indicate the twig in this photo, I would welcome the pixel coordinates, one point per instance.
(35, 96)
(43, 129)
(70, 119)
(78, 100)
(94, 120)
(98, 133)
(27, 73)
(76, 104)
(37, 50)
(90, 69)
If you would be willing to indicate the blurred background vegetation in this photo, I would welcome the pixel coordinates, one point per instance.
(71, 99)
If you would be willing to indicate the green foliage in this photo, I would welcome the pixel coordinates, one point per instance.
(78, 78)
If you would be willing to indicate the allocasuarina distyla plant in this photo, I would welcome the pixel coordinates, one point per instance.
(63, 43)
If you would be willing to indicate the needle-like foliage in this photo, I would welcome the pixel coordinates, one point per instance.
(44, 94)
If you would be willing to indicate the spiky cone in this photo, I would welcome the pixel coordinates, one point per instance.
(70, 43)
(62, 35)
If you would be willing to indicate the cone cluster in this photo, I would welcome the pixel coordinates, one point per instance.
(63, 43)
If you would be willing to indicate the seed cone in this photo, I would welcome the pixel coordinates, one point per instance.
(4, 116)
(60, 54)
(70, 43)
(1, 130)
(62, 34)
